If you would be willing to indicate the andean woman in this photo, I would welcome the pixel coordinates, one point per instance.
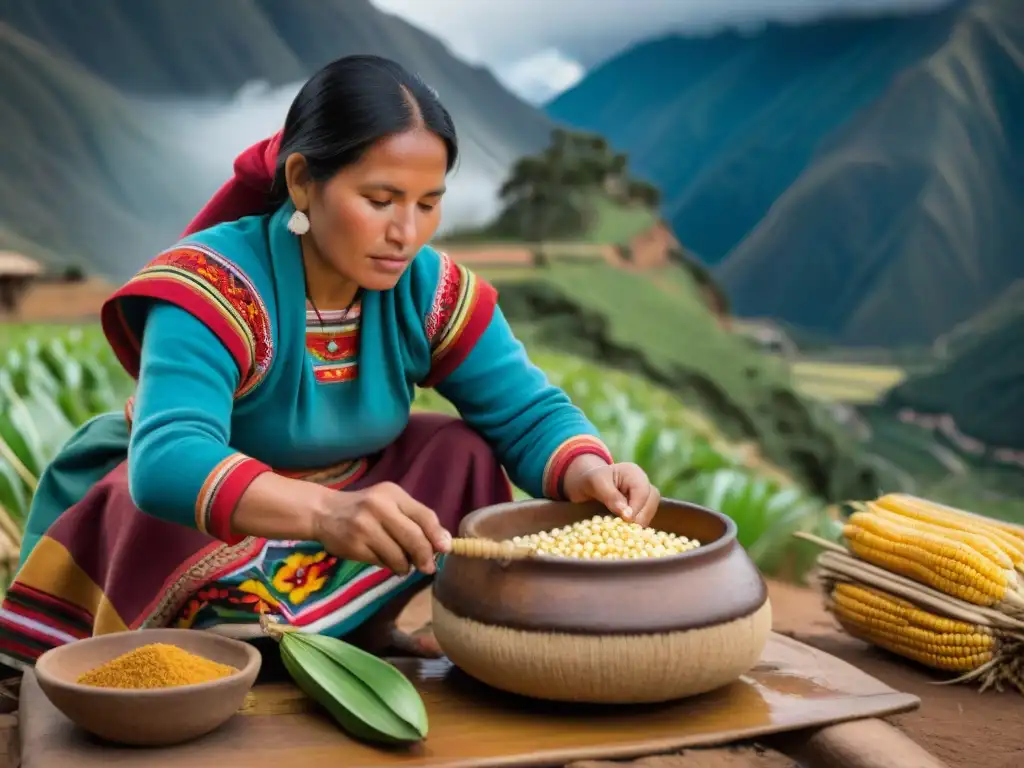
(268, 460)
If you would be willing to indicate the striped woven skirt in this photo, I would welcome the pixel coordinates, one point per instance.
(104, 566)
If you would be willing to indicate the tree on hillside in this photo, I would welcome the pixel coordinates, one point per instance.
(549, 195)
(538, 199)
(644, 193)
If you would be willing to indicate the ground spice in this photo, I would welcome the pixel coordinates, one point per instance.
(157, 665)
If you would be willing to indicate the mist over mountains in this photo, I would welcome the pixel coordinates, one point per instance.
(121, 118)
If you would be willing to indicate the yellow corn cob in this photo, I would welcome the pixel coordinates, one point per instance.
(1009, 538)
(901, 627)
(947, 565)
(978, 542)
(1013, 529)
(899, 613)
(873, 601)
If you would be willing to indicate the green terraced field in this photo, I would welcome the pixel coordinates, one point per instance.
(845, 382)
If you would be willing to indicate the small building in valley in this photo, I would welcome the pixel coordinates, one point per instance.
(17, 273)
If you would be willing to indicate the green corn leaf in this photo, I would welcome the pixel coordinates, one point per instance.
(17, 429)
(40, 378)
(380, 676)
(62, 365)
(73, 404)
(320, 685)
(359, 708)
(99, 390)
(13, 496)
(52, 426)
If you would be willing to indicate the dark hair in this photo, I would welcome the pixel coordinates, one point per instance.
(348, 106)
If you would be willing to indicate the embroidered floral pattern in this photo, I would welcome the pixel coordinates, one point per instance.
(294, 582)
(197, 602)
(302, 574)
(256, 595)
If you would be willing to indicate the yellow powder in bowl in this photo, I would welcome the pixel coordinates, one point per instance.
(157, 665)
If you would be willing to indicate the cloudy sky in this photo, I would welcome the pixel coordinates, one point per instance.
(540, 47)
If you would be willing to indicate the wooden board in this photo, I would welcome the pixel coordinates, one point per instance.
(794, 687)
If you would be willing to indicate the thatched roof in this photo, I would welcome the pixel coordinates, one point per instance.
(16, 265)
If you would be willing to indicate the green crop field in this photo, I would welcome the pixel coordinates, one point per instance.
(844, 382)
(617, 223)
(655, 324)
(52, 379)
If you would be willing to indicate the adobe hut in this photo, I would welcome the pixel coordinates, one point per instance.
(17, 272)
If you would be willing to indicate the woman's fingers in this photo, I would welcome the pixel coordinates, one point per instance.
(602, 487)
(649, 508)
(386, 549)
(425, 518)
(633, 483)
(411, 538)
(360, 553)
(422, 515)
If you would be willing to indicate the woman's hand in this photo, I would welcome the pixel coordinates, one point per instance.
(381, 525)
(624, 488)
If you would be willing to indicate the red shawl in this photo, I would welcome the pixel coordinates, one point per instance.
(246, 192)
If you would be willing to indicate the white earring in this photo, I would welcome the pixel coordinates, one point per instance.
(298, 224)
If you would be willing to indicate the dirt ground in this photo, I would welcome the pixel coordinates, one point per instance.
(955, 723)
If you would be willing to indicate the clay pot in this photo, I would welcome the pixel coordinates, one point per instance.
(603, 631)
(150, 717)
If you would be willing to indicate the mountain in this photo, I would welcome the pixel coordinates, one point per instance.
(979, 384)
(924, 190)
(73, 160)
(149, 58)
(202, 48)
(742, 115)
(1006, 307)
(853, 177)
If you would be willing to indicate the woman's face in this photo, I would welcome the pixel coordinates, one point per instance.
(372, 217)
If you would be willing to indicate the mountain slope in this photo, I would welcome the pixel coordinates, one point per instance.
(852, 178)
(162, 55)
(724, 124)
(1005, 307)
(80, 176)
(979, 385)
(198, 48)
(908, 222)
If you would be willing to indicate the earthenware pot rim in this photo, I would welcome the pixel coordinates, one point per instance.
(252, 659)
(704, 551)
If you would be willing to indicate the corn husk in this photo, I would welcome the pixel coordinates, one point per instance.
(366, 695)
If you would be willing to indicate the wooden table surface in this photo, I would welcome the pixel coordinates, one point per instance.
(795, 689)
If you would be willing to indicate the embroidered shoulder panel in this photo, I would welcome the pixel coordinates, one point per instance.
(214, 289)
(460, 312)
(452, 307)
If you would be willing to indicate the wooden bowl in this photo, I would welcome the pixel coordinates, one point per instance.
(603, 631)
(148, 717)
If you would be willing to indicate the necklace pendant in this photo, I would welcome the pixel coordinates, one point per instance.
(332, 346)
